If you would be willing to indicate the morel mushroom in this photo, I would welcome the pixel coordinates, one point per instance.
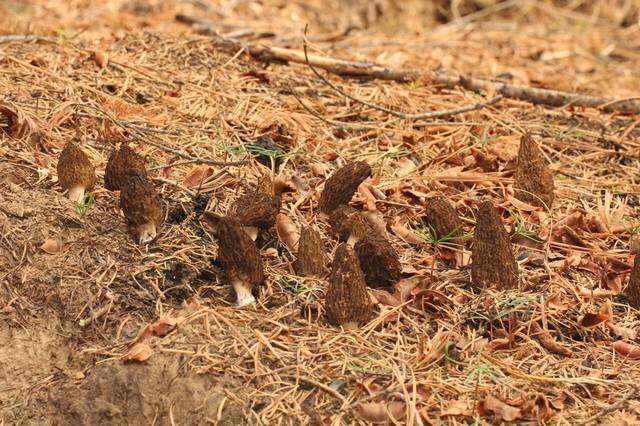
(633, 288)
(533, 180)
(443, 220)
(76, 174)
(240, 259)
(347, 301)
(141, 206)
(119, 162)
(257, 208)
(342, 184)
(493, 263)
(349, 224)
(378, 260)
(311, 259)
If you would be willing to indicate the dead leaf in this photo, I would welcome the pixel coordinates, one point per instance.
(381, 412)
(457, 407)
(590, 320)
(521, 205)
(626, 349)
(367, 196)
(319, 169)
(288, 232)
(377, 222)
(139, 352)
(101, 58)
(53, 246)
(197, 176)
(405, 167)
(405, 234)
(500, 409)
(384, 297)
(547, 341)
(622, 332)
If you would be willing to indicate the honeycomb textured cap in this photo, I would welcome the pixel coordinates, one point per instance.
(75, 168)
(342, 184)
(379, 261)
(493, 262)
(533, 179)
(238, 253)
(311, 258)
(139, 201)
(125, 158)
(347, 300)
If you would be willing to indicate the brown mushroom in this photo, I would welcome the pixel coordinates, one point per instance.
(443, 219)
(76, 174)
(342, 184)
(257, 209)
(349, 224)
(493, 263)
(378, 260)
(119, 162)
(533, 180)
(633, 288)
(240, 259)
(347, 301)
(311, 258)
(141, 206)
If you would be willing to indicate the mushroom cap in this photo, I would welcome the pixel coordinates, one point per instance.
(238, 253)
(140, 201)
(311, 258)
(75, 168)
(257, 208)
(119, 162)
(533, 179)
(348, 222)
(633, 288)
(347, 300)
(493, 263)
(342, 184)
(378, 260)
(443, 218)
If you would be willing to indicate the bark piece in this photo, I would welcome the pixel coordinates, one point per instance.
(493, 263)
(378, 260)
(349, 224)
(240, 259)
(533, 180)
(76, 174)
(342, 184)
(119, 162)
(347, 301)
(633, 288)
(311, 259)
(444, 220)
(141, 206)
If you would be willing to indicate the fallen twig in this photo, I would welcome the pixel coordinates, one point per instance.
(24, 37)
(343, 67)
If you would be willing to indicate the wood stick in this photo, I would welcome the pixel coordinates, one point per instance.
(346, 68)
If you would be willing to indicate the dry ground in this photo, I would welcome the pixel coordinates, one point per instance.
(438, 351)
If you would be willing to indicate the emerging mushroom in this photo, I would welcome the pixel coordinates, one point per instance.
(119, 162)
(443, 219)
(378, 260)
(347, 301)
(141, 206)
(311, 259)
(349, 224)
(76, 174)
(342, 184)
(633, 288)
(240, 259)
(533, 180)
(493, 263)
(257, 208)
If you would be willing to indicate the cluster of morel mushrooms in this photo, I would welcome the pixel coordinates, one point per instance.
(364, 257)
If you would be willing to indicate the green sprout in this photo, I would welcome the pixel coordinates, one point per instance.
(87, 203)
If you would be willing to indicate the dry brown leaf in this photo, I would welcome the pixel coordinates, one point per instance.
(548, 342)
(377, 222)
(288, 232)
(500, 409)
(367, 196)
(626, 349)
(457, 407)
(590, 320)
(101, 58)
(53, 246)
(622, 332)
(381, 412)
(197, 176)
(139, 352)
(319, 169)
(521, 205)
(405, 167)
(384, 297)
(405, 234)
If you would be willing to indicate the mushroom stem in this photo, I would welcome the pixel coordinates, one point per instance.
(146, 232)
(76, 193)
(353, 239)
(243, 293)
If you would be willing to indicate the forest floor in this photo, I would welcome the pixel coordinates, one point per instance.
(95, 329)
